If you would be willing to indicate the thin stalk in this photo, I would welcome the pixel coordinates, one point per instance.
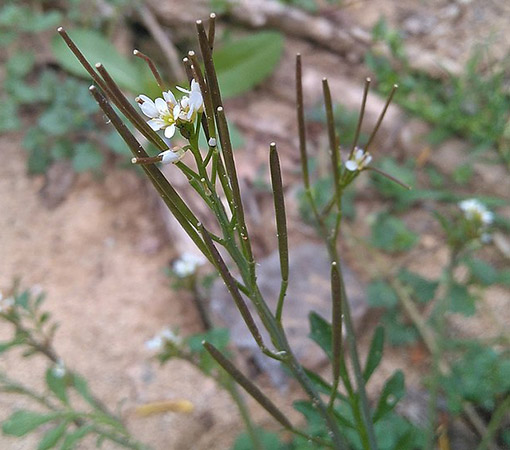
(361, 115)
(441, 309)
(333, 145)
(494, 424)
(381, 117)
(245, 414)
(212, 30)
(281, 226)
(336, 325)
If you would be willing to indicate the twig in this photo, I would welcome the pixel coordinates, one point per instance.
(164, 42)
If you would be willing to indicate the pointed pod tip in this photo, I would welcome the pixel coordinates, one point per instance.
(219, 109)
(333, 263)
(395, 86)
(98, 65)
(134, 160)
(135, 52)
(368, 79)
(203, 342)
(185, 60)
(92, 88)
(212, 15)
(60, 30)
(198, 22)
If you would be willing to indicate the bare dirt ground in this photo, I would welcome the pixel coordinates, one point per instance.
(100, 254)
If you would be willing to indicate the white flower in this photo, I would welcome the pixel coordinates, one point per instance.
(165, 336)
(59, 370)
(163, 112)
(358, 161)
(5, 303)
(476, 211)
(191, 105)
(187, 264)
(172, 156)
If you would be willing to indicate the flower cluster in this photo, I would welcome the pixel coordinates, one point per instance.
(478, 216)
(166, 336)
(358, 160)
(187, 264)
(167, 113)
(476, 212)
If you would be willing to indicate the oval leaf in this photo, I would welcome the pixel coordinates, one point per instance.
(244, 63)
(51, 437)
(23, 422)
(126, 72)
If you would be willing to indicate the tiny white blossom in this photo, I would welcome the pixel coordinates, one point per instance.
(358, 161)
(59, 370)
(171, 156)
(165, 336)
(163, 112)
(476, 211)
(187, 264)
(212, 142)
(191, 105)
(5, 303)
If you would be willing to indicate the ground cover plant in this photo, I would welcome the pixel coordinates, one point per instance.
(468, 375)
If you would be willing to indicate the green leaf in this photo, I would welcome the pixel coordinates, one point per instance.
(126, 72)
(20, 64)
(51, 437)
(219, 337)
(375, 353)
(57, 385)
(9, 120)
(73, 438)
(320, 332)
(267, 439)
(245, 62)
(461, 301)
(80, 385)
(389, 233)
(87, 157)
(381, 294)
(38, 161)
(423, 289)
(482, 272)
(23, 422)
(393, 391)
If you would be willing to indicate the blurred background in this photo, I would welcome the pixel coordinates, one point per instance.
(80, 223)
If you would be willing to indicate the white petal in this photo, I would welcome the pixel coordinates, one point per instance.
(368, 158)
(351, 165)
(182, 89)
(156, 124)
(169, 97)
(161, 106)
(184, 102)
(169, 156)
(170, 131)
(148, 107)
(358, 154)
(176, 111)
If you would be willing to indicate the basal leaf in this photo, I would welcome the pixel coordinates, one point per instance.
(52, 436)
(320, 332)
(392, 392)
(375, 353)
(126, 72)
(245, 62)
(23, 422)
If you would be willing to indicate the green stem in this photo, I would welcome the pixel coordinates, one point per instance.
(495, 422)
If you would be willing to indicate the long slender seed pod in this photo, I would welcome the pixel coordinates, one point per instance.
(247, 385)
(334, 148)
(232, 288)
(130, 112)
(361, 115)
(210, 72)
(281, 225)
(182, 213)
(187, 67)
(381, 117)
(301, 122)
(390, 177)
(228, 155)
(212, 30)
(336, 327)
(152, 68)
(117, 97)
(204, 88)
(81, 58)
